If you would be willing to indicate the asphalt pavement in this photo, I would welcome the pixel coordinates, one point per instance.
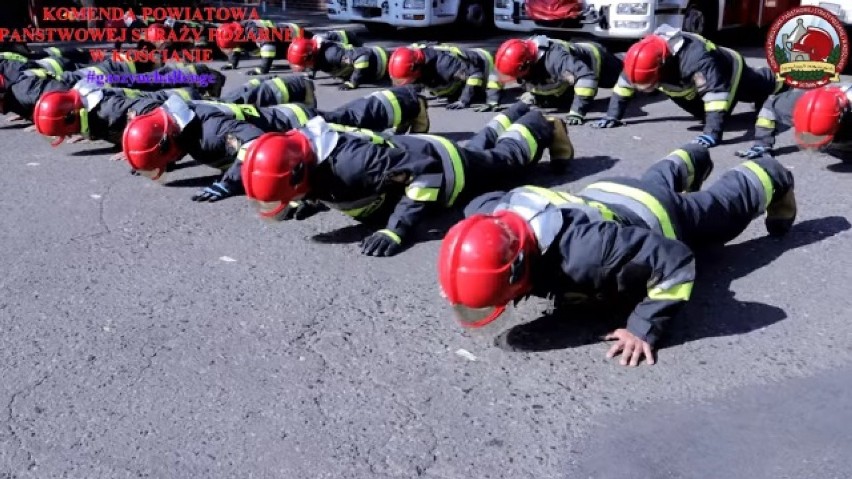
(144, 335)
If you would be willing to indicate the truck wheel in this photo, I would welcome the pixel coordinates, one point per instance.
(379, 28)
(700, 19)
(472, 13)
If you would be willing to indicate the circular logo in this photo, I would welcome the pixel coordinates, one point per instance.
(808, 47)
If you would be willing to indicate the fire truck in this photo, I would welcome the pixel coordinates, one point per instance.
(633, 19)
(382, 16)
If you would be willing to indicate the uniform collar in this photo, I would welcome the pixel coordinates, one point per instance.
(673, 36)
(322, 137)
(180, 111)
(90, 93)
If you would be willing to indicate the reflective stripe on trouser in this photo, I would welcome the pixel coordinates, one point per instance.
(280, 89)
(381, 62)
(723, 210)
(682, 170)
(358, 209)
(557, 89)
(237, 111)
(493, 80)
(447, 90)
(13, 57)
(766, 118)
(636, 200)
(454, 173)
(532, 132)
(268, 50)
(53, 67)
(485, 138)
(724, 101)
(363, 133)
(392, 107)
(295, 113)
(593, 209)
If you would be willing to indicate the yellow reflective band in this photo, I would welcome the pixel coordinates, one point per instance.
(679, 93)
(552, 196)
(397, 110)
(254, 82)
(718, 105)
(448, 90)
(528, 137)
(57, 68)
(390, 234)
(267, 54)
(97, 70)
(493, 85)
(84, 122)
(556, 91)
(183, 94)
(458, 168)
(623, 91)
(642, 197)
(55, 51)
(738, 73)
(690, 167)
(764, 178)
(343, 36)
(130, 93)
(503, 120)
(364, 211)
(13, 57)
(606, 213)
(383, 61)
(238, 50)
(584, 91)
(282, 87)
(680, 292)
(39, 72)
(301, 116)
(265, 23)
(474, 81)
(417, 193)
(361, 65)
(765, 123)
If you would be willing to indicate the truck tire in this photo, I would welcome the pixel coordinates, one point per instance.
(476, 14)
(701, 18)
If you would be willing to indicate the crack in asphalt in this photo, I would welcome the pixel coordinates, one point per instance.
(10, 423)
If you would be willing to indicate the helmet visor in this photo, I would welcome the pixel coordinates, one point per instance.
(158, 175)
(504, 78)
(272, 211)
(402, 81)
(811, 141)
(646, 87)
(486, 324)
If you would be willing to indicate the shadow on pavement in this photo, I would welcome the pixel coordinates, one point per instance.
(194, 182)
(104, 150)
(712, 312)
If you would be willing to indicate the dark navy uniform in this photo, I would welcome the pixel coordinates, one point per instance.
(365, 175)
(12, 65)
(274, 90)
(21, 97)
(626, 238)
(464, 75)
(561, 65)
(50, 67)
(106, 110)
(776, 116)
(704, 79)
(205, 125)
(354, 65)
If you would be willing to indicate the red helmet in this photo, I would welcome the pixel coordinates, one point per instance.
(484, 264)
(643, 62)
(405, 65)
(276, 170)
(515, 58)
(3, 83)
(57, 114)
(301, 53)
(229, 36)
(150, 143)
(816, 43)
(817, 115)
(156, 34)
